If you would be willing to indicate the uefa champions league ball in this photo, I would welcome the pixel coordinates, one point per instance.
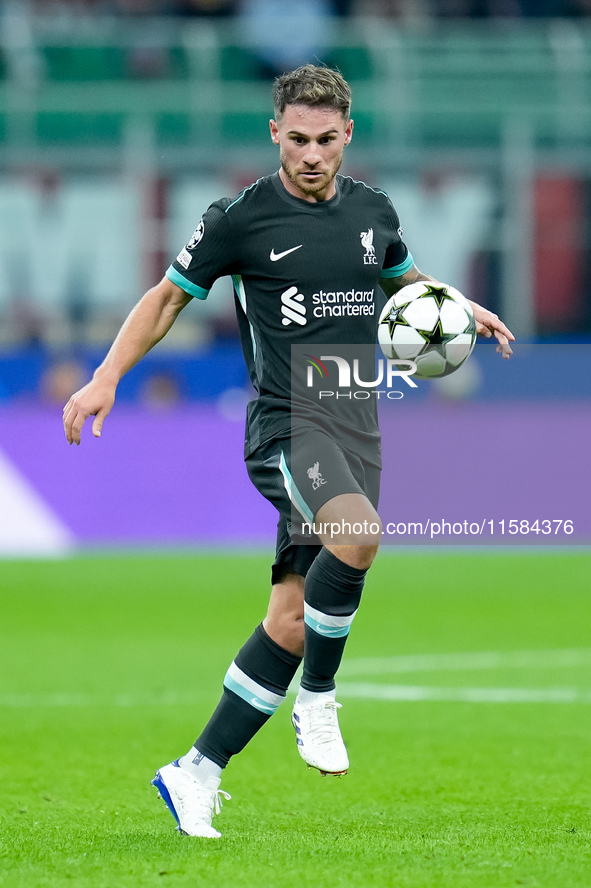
(430, 324)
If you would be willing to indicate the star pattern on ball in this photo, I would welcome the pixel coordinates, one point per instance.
(438, 338)
(438, 333)
(439, 294)
(397, 319)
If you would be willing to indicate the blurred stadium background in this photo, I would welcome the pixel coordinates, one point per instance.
(121, 120)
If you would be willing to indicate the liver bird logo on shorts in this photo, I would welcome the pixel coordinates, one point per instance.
(370, 250)
(315, 476)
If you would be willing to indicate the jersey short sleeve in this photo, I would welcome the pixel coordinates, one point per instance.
(398, 259)
(209, 254)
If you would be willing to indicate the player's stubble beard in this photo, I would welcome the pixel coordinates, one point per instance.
(319, 184)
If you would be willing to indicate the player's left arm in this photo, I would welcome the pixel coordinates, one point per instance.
(487, 322)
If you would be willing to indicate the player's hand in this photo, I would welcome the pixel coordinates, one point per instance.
(95, 399)
(489, 324)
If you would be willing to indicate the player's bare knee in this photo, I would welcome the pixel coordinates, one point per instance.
(363, 556)
(294, 632)
(286, 630)
(284, 622)
(349, 521)
(359, 556)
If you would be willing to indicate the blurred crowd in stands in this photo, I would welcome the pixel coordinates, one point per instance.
(281, 34)
(391, 9)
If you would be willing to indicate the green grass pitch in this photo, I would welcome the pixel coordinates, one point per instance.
(109, 666)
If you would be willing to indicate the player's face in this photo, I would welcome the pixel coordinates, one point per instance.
(311, 143)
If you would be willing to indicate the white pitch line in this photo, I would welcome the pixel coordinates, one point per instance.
(418, 693)
(382, 666)
(118, 701)
(466, 662)
(353, 690)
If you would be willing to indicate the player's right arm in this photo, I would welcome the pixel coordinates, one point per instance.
(146, 324)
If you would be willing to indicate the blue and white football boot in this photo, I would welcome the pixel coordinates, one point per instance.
(319, 737)
(191, 803)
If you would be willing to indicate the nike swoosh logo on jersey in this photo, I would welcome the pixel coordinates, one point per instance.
(273, 256)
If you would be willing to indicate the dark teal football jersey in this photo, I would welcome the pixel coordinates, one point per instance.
(304, 274)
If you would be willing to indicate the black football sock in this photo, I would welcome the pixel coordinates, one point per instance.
(255, 685)
(331, 598)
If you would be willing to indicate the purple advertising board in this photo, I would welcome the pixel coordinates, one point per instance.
(458, 473)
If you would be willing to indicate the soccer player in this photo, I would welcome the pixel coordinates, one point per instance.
(286, 240)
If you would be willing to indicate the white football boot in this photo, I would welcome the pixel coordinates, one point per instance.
(319, 737)
(191, 803)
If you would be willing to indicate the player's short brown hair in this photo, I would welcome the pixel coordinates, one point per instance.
(312, 85)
